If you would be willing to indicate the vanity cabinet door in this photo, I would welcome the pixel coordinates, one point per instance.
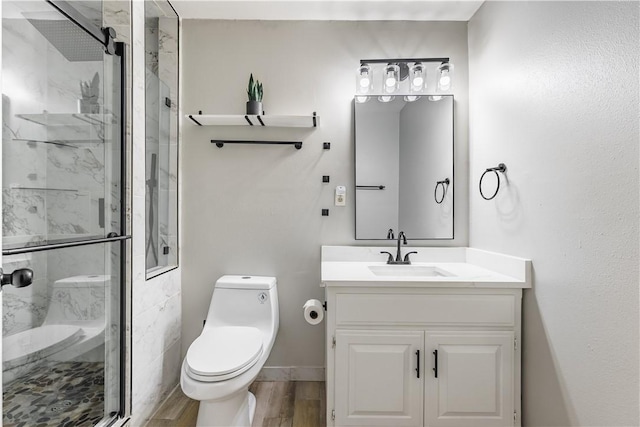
(376, 378)
(475, 379)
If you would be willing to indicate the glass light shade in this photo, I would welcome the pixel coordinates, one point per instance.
(417, 77)
(434, 98)
(444, 78)
(364, 79)
(386, 98)
(391, 78)
(361, 99)
(411, 98)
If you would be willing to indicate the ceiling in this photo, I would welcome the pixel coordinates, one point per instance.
(328, 10)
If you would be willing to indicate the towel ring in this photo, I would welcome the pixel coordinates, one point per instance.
(444, 190)
(502, 168)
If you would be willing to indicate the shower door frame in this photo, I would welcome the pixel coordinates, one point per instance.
(105, 36)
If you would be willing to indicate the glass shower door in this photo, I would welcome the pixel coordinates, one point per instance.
(63, 204)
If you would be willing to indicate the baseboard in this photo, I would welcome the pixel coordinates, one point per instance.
(291, 373)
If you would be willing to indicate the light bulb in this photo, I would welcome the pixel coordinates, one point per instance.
(445, 80)
(390, 82)
(363, 79)
(391, 78)
(418, 74)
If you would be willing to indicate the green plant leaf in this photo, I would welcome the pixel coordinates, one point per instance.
(251, 88)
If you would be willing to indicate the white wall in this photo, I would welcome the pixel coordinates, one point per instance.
(156, 311)
(554, 95)
(256, 209)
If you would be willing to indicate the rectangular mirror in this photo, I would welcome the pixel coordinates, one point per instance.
(161, 129)
(404, 167)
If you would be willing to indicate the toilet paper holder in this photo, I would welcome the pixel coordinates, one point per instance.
(324, 305)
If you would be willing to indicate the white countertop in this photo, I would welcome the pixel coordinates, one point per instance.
(462, 267)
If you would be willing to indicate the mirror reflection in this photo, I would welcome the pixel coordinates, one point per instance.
(404, 167)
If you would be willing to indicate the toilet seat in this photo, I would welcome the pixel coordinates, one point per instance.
(223, 352)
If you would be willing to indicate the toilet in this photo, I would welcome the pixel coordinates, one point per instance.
(73, 326)
(237, 338)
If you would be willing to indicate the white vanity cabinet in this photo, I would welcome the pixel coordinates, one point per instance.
(475, 379)
(376, 381)
(423, 356)
(435, 343)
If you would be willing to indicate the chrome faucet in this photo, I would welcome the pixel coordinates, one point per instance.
(399, 260)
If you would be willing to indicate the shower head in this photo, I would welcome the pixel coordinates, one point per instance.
(69, 39)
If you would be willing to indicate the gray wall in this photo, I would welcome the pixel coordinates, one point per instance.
(554, 95)
(256, 209)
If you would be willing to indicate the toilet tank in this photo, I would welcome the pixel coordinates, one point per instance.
(78, 299)
(244, 301)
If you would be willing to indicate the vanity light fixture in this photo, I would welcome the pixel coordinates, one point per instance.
(406, 76)
(444, 79)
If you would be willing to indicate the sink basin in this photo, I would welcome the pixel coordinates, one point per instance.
(408, 271)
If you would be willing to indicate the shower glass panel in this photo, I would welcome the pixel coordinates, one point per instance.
(161, 128)
(62, 202)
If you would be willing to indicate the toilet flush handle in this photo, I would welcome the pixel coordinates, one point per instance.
(19, 278)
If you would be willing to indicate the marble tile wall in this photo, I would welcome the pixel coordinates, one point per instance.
(156, 316)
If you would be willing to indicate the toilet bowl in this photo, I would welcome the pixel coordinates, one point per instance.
(239, 332)
(74, 324)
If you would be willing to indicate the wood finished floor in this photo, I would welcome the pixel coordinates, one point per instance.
(279, 404)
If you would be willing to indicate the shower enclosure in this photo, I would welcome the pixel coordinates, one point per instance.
(64, 231)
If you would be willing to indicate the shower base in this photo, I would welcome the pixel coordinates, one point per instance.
(56, 394)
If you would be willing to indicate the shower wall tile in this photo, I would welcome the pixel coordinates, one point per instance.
(155, 333)
(25, 308)
(156, 312)
(157, 329)
(23, 215)
(154, 292)
(158, 378)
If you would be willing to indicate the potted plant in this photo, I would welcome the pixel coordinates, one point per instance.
(90, 91)
(254, 91)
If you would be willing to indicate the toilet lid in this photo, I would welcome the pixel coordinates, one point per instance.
(222, 350)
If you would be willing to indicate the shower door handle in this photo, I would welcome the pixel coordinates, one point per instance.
(19, 278)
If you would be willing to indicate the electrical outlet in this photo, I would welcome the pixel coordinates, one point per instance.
(341, 195)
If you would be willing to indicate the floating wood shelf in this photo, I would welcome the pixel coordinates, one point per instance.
(311, 121)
